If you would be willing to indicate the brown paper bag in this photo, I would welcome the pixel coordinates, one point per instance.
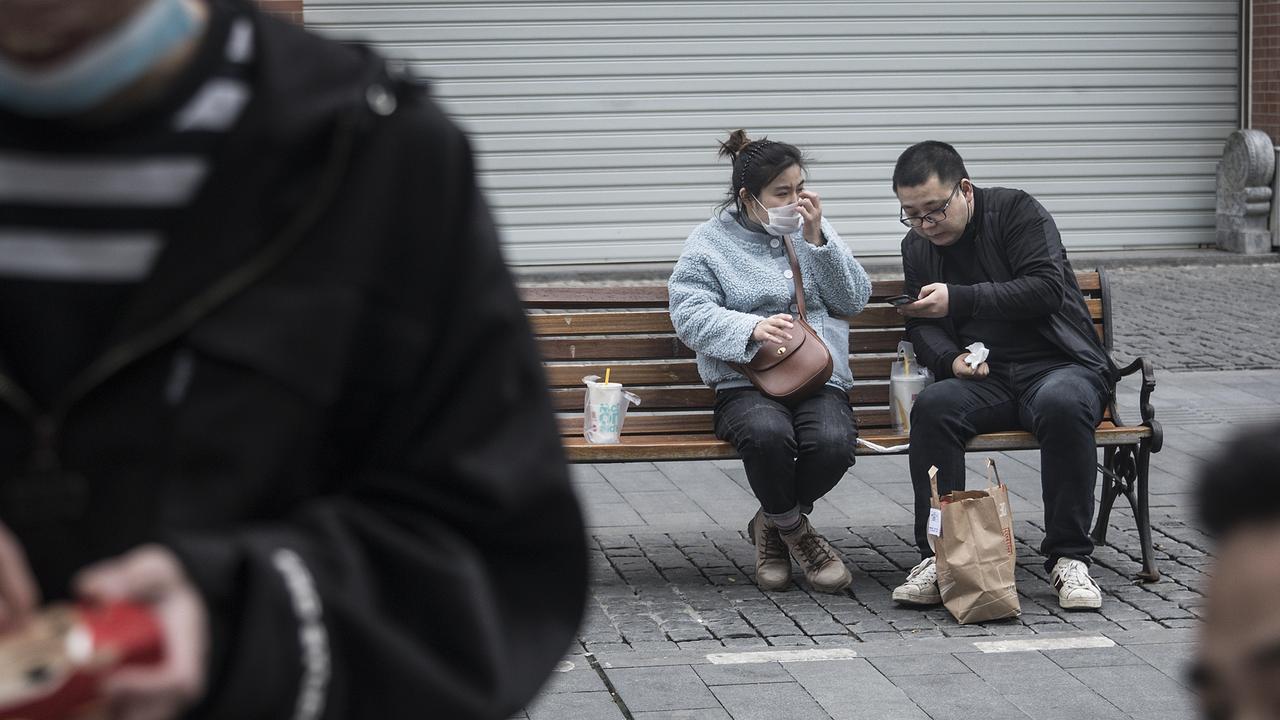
(972, 537)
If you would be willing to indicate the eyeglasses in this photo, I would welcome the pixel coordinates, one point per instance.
(933, 217)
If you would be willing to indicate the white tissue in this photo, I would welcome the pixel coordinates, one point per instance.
(881, 448)
(977, 355)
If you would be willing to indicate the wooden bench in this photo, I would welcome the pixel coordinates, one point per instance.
(582, 330)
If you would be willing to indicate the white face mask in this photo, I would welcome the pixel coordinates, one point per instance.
(783, 220)
(102, 68)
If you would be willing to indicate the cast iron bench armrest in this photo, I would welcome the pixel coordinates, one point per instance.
(1144, 402)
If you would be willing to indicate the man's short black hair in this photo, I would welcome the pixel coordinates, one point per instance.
(923, 160)
(1242, 485)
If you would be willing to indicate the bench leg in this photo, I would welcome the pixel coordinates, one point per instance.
(1125, 472)
(1142, 516)
(1110, 489)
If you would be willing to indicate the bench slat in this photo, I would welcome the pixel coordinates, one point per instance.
(613, 348)
(869, 419)
(638, 296)
(694, 423)
(681, 372)
(700, 396)
(669, 347)
(659, 322)
(602, 323)
(695, 447)
(594, 296)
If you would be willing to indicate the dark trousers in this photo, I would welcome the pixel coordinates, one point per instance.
(793, 455)
(1059, 402)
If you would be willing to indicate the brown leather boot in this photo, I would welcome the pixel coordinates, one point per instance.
(773, 562)
(822, 565)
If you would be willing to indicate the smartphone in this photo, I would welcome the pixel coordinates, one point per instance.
(897, 300)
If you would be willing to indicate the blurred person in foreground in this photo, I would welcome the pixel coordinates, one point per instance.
(262, 369)
(1237, 672)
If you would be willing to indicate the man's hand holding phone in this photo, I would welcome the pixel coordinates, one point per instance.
(933, 302)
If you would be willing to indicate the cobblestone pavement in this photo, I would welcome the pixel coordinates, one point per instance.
(673, 601)
(694, 590)
(1211, 317)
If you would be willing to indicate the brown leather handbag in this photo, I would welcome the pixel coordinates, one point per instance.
(794, 370)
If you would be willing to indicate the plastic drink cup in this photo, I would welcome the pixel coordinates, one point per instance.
(606, 408)
(902, 396)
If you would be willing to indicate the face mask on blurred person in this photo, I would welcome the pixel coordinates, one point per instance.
(783, 220)
(103, 67)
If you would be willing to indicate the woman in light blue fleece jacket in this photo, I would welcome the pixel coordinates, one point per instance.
(732, 290)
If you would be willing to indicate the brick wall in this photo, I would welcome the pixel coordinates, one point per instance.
(1265, 113)
(292, 9)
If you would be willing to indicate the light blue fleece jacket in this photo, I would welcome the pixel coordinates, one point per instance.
(729, 277)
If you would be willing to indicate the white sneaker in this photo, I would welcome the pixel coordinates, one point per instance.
(921, 587)
(1076, 590)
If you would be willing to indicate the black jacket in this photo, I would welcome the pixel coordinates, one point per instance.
(1018, 245)
(326, 390)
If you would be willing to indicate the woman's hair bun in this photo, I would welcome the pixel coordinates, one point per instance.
(737, 141)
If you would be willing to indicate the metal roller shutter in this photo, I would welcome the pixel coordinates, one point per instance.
(596, 123)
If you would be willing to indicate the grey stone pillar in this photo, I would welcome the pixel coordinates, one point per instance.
(1245, 173)
(1275, 204)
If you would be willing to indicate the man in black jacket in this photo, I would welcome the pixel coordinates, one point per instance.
(987, 265)
(262, 369)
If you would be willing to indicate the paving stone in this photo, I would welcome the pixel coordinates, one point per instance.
(854, 690)
(1013, 673)
(790, 640)
(939, 664)
(701, 714)
(1172, 659)
(878, 636)
(711, 645)
(842, 640)
(747, 642)
(1073, 704)
(1092, 657)
(575, 706)
(769, 701)
(957, 696)
(661, 688)
(1135, 688)
(744, 674)
(574, 674)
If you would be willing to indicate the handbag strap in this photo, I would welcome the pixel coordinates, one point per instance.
(795, 275)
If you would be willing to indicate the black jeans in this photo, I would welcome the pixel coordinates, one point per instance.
(793, 455)
(1058, 401)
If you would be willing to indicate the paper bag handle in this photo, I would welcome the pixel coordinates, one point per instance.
(933, 484)
(992, 472)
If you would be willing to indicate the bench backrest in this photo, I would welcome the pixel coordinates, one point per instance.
(583, 330)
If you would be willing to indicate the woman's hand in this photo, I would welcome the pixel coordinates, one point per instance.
(773, 328)
(811, 210)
